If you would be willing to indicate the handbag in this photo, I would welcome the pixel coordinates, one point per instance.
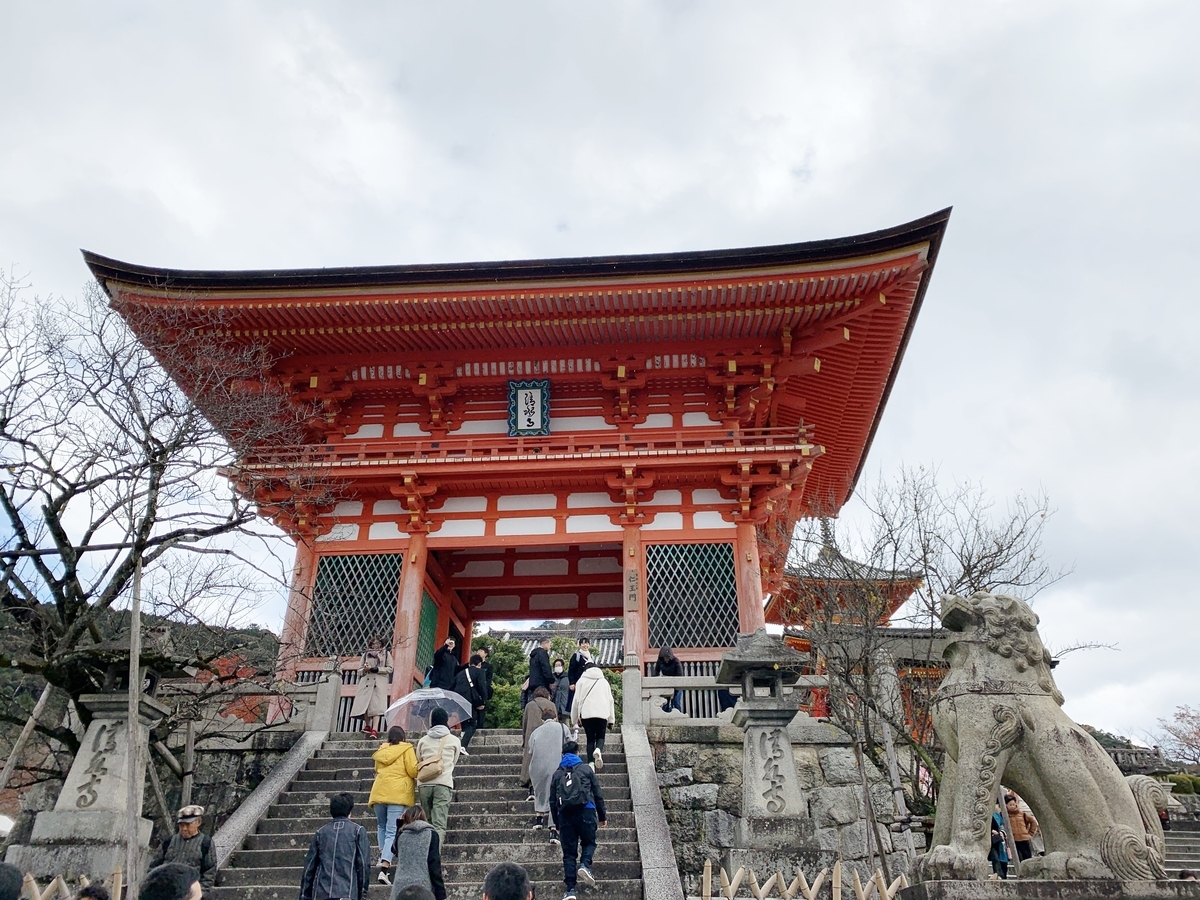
(432, 767)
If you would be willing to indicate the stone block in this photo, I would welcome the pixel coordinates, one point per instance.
(834, 806)
(719, 766)
(839, 765)
(898, 863)
(774, 833)
(854, 840)
(882, 797)
(694, 796)
(812, 731)
(829, 839)
(686, 825)
(729, 798)
(720, 828)
(85, 826)
(766, 863)
(675, 778)
(808, 767)
(676, 756)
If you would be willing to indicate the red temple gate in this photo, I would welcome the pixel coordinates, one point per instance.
(570, 438)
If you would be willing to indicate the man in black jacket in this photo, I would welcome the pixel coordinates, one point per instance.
(541, 673)
(577, 807)
(338, 864)
(469, 684)
(191, 847)
(579, 659)
(487, 685)
(445, 665)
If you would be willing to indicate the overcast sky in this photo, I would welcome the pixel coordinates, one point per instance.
(1055, 348)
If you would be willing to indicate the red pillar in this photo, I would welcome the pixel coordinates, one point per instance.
(634, 588)
(408, 616)
(751, 615)
(295, 620)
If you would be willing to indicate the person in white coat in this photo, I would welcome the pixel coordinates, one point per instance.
(371, 698)
(594, 707)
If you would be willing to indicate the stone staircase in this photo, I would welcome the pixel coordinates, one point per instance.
(1183, 851)
(489, 823)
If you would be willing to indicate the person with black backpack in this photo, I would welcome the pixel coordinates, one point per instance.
(577, 807)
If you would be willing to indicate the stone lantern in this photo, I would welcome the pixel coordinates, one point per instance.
(774, 812)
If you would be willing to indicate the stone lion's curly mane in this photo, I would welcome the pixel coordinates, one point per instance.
(1011, 630)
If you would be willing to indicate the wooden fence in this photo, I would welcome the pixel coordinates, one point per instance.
(727, 888)
(58, 889)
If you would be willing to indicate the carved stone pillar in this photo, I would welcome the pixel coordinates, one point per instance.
(85, 832)
(774, 814)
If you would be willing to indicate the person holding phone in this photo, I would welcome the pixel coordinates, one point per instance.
(445, 666)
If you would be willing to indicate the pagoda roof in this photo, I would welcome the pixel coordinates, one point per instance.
(844, 307)
(929, 228)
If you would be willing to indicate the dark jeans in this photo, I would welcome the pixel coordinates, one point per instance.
(1000, 868)
(468, 731)
(676, 702)
(1024, 849)
(575, 828)
(594, 729)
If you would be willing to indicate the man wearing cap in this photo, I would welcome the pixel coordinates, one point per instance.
(190, 847)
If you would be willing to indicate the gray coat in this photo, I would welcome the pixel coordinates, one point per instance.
(545, 751)
(338, 862)
(418, 860)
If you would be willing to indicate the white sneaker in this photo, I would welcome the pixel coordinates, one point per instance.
(585, 875)
(597, 759)
(382, 878)
(462, 751)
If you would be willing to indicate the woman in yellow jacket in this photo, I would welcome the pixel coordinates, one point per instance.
(392, 792)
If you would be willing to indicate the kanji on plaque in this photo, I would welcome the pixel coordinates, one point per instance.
(528, 408)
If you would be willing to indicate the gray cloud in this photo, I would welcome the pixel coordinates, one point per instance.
(1056, 344)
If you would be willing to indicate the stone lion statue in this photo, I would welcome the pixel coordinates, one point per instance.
(998, 715)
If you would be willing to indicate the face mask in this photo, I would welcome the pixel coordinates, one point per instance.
(558, 670)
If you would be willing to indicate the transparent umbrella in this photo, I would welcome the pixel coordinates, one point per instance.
(412, 711)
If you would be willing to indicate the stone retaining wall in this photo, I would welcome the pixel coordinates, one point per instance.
(700, 777)
(223, 777)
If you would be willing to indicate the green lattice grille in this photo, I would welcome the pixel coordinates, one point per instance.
(691, 595)
(354, 598)
(426, 632)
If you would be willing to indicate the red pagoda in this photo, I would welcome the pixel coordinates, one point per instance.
(570, 438)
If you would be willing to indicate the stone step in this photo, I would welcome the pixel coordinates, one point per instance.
(307, 793)
(496, 815)
(490, 821)
(541, 870)
(537, 849)
(464, 779)
(468, 834)
(625, 889)
(511, 760)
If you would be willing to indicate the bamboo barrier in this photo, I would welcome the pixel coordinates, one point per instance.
(726, 887)
(59, 889)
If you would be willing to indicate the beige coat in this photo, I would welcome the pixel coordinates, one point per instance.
(428, 747)
(371, 697)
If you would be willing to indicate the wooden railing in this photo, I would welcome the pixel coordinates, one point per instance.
(568, 445)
